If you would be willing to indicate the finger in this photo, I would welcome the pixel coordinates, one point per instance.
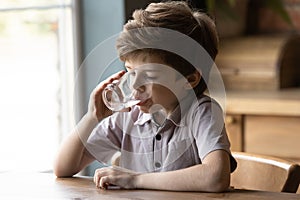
(118, 74)
(114, 77)
(109, 80)
(99, 173)
(97, 178)
(96, 175)
(104, 182)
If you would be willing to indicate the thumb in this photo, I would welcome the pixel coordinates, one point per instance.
(108, 182)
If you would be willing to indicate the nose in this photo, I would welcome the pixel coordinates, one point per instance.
(138, 83)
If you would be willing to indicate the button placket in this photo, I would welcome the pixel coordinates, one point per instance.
(157, 151)
(158, 137)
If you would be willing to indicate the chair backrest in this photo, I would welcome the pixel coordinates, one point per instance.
(258, 172)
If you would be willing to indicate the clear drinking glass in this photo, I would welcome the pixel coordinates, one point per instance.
(121, 94)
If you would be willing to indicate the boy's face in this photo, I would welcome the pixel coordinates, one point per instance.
(162, 82)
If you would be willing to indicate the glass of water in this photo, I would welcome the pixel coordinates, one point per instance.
(122, 94)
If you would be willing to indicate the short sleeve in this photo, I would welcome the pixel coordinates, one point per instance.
(208, 128)
(105, 139)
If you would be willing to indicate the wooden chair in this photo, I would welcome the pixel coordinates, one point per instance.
(258, 172)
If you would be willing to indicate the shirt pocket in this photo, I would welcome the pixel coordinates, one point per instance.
(180, 154)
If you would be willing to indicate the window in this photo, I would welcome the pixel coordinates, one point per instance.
(36, 81)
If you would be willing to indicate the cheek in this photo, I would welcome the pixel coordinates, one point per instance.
(162, 94)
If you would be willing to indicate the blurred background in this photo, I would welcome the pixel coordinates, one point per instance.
(36, 72)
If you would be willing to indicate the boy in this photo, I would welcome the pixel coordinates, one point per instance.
(173, 140)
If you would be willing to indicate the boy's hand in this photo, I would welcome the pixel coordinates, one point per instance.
(117, 176)
(97, 107)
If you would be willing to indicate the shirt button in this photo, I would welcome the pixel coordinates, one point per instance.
(158, 137)
(157, 164)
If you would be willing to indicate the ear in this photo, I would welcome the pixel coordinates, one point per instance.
(193, 80)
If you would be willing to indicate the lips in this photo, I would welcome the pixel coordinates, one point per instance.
(144, 103)
(144, 97)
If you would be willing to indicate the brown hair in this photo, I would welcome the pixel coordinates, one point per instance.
(174, 15)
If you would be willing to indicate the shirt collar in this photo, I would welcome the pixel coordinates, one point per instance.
(143, 118)
(177, 117)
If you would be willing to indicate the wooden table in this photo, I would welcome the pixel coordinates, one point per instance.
(47, 186)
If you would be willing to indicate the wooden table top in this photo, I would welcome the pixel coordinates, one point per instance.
(47, 186)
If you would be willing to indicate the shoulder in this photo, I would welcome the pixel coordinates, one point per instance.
(206, 100)
(206, 118)
(206, 105)
(204, 112)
